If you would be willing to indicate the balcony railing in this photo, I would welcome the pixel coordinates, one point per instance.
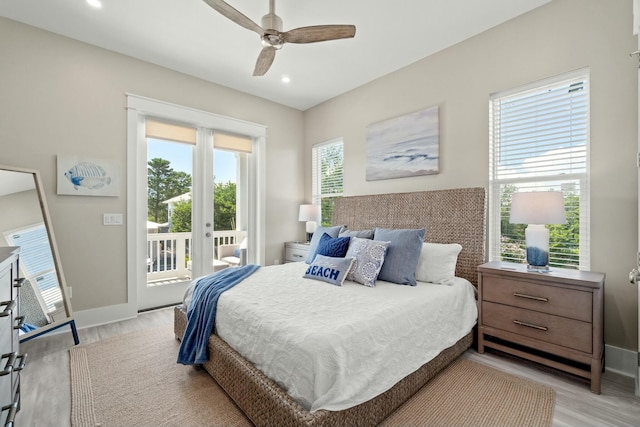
(169, 253)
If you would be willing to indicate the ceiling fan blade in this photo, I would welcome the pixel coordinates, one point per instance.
(265, 59)
(319, 33)
(233, 14)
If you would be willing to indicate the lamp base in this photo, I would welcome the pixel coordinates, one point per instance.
(537, 242)
(538, 268)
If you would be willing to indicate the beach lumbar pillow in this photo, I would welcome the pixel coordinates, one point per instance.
(329, 269)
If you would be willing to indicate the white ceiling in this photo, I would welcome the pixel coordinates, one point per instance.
(190, 37)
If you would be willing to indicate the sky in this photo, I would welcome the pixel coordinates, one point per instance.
(180, 156)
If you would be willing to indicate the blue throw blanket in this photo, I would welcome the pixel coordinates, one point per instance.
(201, 314)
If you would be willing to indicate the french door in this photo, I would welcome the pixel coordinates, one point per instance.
(180, 244)
(176, 258)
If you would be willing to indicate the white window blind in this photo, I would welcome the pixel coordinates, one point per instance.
(158, 129)
(539, 141)
(36, 262)
(327, 175)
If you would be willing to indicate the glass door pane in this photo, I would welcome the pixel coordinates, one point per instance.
(229, 232)
(169, 215)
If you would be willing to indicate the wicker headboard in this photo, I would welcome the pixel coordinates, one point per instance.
(448, 216)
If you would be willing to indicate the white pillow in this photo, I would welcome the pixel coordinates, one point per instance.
(437, 263)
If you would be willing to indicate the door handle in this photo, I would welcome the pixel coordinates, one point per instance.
(634, 276)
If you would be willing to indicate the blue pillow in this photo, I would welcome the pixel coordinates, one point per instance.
(402, 256)
(363, 234)
(333, 247)
(313, 245)
(329, 269)
(369, 258)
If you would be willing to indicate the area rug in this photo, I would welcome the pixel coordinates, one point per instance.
(134, 380)
(470, 394)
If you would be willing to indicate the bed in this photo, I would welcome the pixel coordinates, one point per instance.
(448, 216)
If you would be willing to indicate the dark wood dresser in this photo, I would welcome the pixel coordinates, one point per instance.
(553, 318)
(10, 323)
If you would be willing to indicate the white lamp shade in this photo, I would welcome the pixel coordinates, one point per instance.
(309, 213)
(537, 207)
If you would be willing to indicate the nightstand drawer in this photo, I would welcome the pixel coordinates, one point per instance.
(564, 302)
(557, 330)
(295, 254)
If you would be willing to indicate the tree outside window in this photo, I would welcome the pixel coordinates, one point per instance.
(327, 176)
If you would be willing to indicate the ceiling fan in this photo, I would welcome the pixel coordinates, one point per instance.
(271, 32)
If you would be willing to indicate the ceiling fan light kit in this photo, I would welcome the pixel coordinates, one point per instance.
(273, 38)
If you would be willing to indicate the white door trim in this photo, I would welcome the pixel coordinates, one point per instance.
(636, 31)
(138, 108)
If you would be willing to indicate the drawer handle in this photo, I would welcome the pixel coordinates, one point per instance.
(13, 410)
(10, 305)
(530, 325)
(23, 361)
(519, 295)
(19, 282)
(8, 368)
(21, 321)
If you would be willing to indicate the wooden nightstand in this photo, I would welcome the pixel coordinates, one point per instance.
(554, 318)
(295, 251)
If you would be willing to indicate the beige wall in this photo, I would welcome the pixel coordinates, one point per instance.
(59, 96)
(18, 210)
(561, 36)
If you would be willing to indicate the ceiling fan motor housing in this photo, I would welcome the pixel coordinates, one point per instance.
(271, 21)
(272, 25)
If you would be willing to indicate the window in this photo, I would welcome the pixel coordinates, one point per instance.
(539, 141)
(327, 169)
(36, 263)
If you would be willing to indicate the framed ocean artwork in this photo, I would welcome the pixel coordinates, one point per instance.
(79, 176)
(404, 146)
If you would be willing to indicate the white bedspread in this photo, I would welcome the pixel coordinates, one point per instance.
(335, 347)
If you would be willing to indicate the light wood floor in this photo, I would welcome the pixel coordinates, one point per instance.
(46, 401)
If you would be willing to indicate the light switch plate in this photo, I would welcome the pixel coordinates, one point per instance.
(112, 219)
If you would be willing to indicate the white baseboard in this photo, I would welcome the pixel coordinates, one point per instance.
(621, 360)
(96, 317)
(104, 315)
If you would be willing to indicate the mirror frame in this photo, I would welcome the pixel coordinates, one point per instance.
(69, 320)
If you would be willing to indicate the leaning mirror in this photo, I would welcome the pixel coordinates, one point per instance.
(24, 222)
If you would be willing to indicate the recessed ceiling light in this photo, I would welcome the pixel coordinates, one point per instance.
(95, 3)
(285, 79)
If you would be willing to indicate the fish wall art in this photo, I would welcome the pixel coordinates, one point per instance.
(87, 177)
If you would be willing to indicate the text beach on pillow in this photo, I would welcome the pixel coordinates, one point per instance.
(537, 209)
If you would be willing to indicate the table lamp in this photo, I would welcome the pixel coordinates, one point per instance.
(310, 214)
(537, 209)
